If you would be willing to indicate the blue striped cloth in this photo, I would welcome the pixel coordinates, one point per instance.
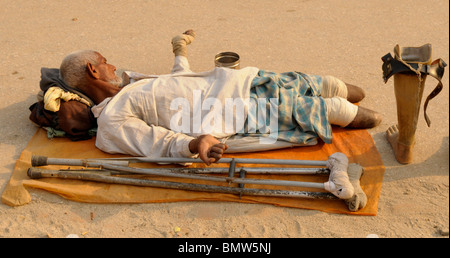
(302, 114)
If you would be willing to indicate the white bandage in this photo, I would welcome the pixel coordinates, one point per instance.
(340, 111)
(338, 182)
(180, 42)
(333, 87)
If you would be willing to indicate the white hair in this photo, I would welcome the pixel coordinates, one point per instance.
(73, 67)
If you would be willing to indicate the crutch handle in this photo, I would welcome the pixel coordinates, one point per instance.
(37, 161)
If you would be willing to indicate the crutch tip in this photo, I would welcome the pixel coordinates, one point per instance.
(34, 173)
(37, 161)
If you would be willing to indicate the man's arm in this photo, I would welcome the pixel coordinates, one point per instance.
(134, 137)
(180, 42)
(137, 138)
(179, 48)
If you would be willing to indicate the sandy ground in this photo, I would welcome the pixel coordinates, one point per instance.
(345, 38)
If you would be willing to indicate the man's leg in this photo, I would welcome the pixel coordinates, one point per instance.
(354, 93)
(345, 114)
(333, 87)
(365, 118)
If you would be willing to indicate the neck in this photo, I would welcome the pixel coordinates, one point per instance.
(99, 90)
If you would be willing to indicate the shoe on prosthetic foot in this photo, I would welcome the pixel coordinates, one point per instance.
(410, 67)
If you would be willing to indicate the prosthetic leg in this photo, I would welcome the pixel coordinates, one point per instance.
(410, 67)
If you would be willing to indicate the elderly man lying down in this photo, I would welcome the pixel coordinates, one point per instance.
(190, 114)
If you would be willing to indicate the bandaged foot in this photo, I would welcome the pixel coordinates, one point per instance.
(180, 42)
(339, 183)
(359, 198)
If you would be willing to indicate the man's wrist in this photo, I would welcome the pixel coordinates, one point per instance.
(193, 146)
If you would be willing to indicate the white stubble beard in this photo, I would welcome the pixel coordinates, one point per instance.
(117, 81)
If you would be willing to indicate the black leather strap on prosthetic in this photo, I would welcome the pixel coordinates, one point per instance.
(436, 69)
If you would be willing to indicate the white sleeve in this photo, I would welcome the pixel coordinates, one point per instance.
(137, 138)
(238, 143)
(181, 64)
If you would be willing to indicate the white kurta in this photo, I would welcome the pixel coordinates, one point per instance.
(138, 121)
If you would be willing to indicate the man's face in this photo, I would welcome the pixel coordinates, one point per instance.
(107, 72)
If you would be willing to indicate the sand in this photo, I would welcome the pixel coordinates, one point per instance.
(344, 38)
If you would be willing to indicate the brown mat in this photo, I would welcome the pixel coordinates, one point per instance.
(358, 145)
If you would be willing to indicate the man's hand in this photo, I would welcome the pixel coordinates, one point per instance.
(190, 33)
(208, 147)
(180, 42)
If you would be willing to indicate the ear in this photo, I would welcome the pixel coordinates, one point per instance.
(92, 71)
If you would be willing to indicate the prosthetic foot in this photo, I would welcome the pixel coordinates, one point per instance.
(410, 68)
